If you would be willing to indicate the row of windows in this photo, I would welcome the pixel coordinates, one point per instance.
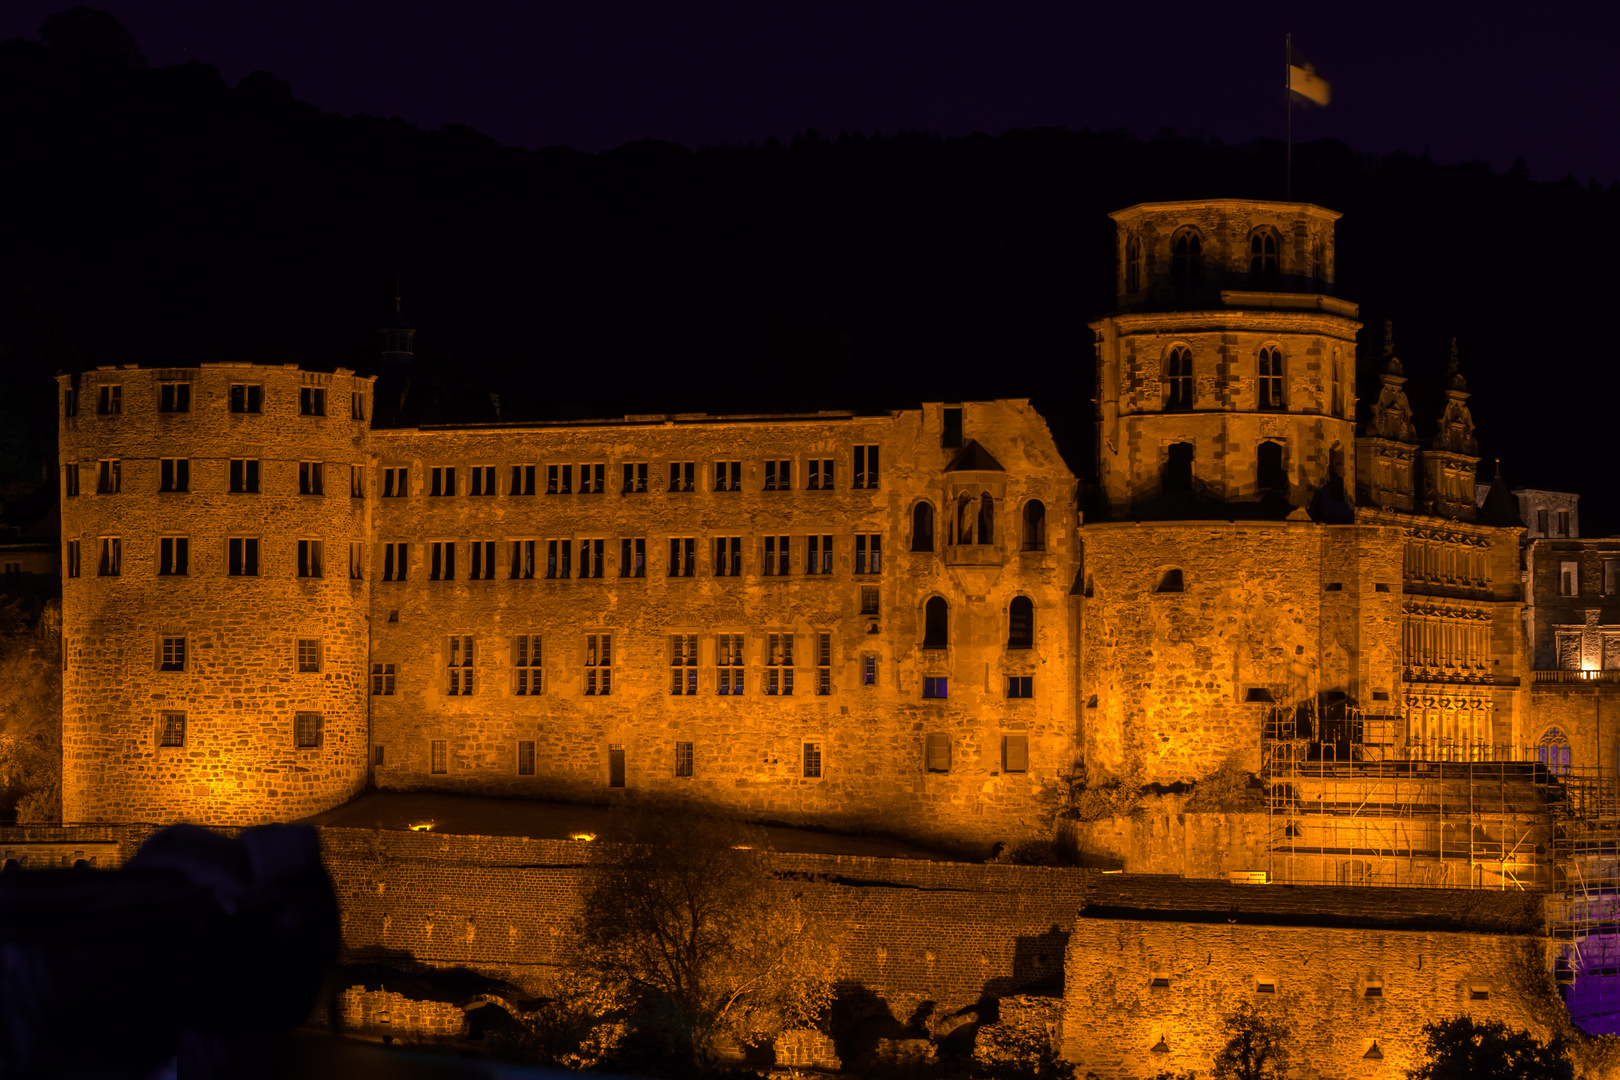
(1569, 578)
(174, 475)
(444, 481)
(1187, 260)
(1270, 473)
(175, 397)
(1178, 384)
(241, 557)
(308, 729)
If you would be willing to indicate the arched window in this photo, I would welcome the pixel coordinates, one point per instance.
(922, 527)
(1021, 623)
(1270, 383)
(1172, 581)
(1554, 752)
(1178, 467)
(1178, 378)
(1268, 467)
(1263, 273)
(1133, 265)
(987, 519)
(1034, 525)
(1187, 259)
(936, 623)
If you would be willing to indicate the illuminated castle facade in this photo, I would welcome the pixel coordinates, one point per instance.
(918, 621)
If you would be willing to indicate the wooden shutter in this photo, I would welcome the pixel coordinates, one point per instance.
(1015, 753)
(939, 752)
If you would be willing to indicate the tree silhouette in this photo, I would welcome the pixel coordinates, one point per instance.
(1462, 1048)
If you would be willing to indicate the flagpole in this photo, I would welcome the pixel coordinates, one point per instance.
(1288, 107)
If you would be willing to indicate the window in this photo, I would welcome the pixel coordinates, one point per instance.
(1265, 986)
(1187, 259)
(1015, 753)
(1178, 378)
(1263, 273)
(311, 478)
(922, 527)
(483, 560)
(442, 480)
(778, 475)
(936, 623)
(1172, 582)
(1541, 522)
(1020, 686)
(1034, 525)
(442, 560)
(728, 476)
(312, 401)
(112, 559)
(382, 680)
(459, 668)
(728, 659)
(171, 654)
(683, 759)
(174, 474)
(439, 756)
(615, 766)
(522, 559)
(1611, 577)
(987, 520)
(244, 476)
(1569, 579)
(523, 479)
(309, 654)
(635, 478)
(311, 558)
(70, 399)
(1178, 467)
(869, 669)
(377, 756)
(1021, 623)
(1133, 265)
(1268, 467)
(823, 664)
(396, 561)
(1269, 385)
(110, 401)
(70, 561)
(70, 479)
(559, 479)
(812, 761)
(592, 479)
(357, 481)
(1553, 752)
(174, 397)
(558, 554)
(247, 398)
(357, 405)
(776, 556)
(598, 664)
(481, 480)
(1479, 993)
(592, 557)
(171, 729)
(868, 553)
(820, 476)
(683, 476)
(307, 730)
(396, 483)
(1563, 523)
(633, 556)
(779, 665)
(525, 757)
(818, 555)
(526, 665)
(728, 556)
(1374, 990)
(174, 556)
(869, 599)
(683, 664)
(110, 479)
(866, 466)
(951, 430)
(242, 556)
(937, 752)
(935, 686)
(682, 556)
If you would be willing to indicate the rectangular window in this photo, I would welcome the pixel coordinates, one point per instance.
(174, 397)
(357, 481)
(683, 664)
(247, 398)
(868, 553)
(311, 558)
(559, 479)
(683, 476)
(1611, 577)
(309, 654)
(728, 556)
(312, 400)
(1015, 753)
(682, 556)
(523, 479)
(866, 466)
(1541, 523)
(174, 556)
(357, 561)
(683, 759)
(70, 479)
(396, 561)
(821, 474)
(635, 478)
(592, 557)
(592, 479)
(823, 664)
(172, 729)
(778, 475)
(937, 752)
(382, 680)
(728, 476)
(868, 669)
(1020, 686)
(728, 659)
(523, 559)
(70, 562)
(112, 558)
(598, 665)
(244, 476)
(525, 757)
(459, 669)
(818, 555)
(615, 766)
(1569, 579)
(172, 654)
(812, 761)
(396, 482)
(377, 756)
(442, 560)
(777, 561)
(951, 432)
(439, 756)
(934, 686)
(110, 402)
(311, 478)
(869, 599)
(633, 556)
(357, 405)
(1563, 523)
(70, 399)
(442, 480)
(526, 665)
(481, 480)
(558, 556)
(483, 560)
(110, 478)
(779, 665)
(174, 474)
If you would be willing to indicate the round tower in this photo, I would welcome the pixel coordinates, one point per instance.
(214, 603)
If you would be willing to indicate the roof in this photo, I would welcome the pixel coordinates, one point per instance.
(974, 458)
(1264, 205)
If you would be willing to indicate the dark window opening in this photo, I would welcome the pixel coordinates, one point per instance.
(1263, 273)
(616, 766)
(922, 527)
(1034, 525)
(1178, 467)
(1171, 582)
(1021, 623)
(1270, 382)
(174, 397)
(1187, 260)
(936, 623)
(987, 519)
(1268, 467)
(951, 437)
(1178, 378)
(1133, 265)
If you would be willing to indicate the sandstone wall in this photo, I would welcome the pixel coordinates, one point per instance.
(1189, 844)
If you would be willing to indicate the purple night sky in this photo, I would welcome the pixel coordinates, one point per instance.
(1494, 84)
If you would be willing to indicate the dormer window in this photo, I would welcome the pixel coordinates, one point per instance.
(1270, 383)
(1178, 378)
(1187, 259)
(1263, 269)
(1133, 265)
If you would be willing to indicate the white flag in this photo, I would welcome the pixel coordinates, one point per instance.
(1304, 81)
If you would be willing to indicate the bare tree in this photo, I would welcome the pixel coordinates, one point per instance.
(1256, 1046)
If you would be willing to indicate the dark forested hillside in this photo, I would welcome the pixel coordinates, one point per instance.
(157, 215)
